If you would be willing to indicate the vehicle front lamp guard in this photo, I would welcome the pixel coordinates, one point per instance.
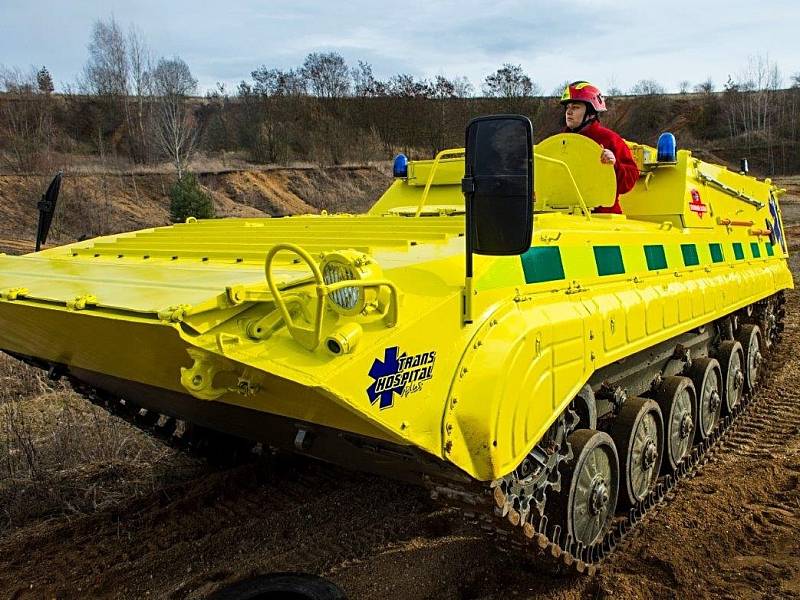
(311, 338)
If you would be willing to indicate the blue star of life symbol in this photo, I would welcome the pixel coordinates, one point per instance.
(381, 368)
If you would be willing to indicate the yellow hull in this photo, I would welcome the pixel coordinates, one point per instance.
(186, 309)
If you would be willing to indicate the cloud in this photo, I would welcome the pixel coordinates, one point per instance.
(553, 40)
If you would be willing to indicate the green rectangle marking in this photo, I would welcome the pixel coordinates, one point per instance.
(770, 249)
(690, 258)
(656, 258)
(755, 249)
(542, 264)
(608, 260)
(716, 252)
(738, 251)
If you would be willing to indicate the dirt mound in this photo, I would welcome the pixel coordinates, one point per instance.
(97, 204)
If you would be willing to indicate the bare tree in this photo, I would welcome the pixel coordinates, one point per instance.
(647, 87)
(277, 82)
(612, 87)
(364, 83)
(509, 81)
(462, 87)
(328, 75)
(796, 80)
(683, 86)
(751, 104)
(705, 87)
(26, 119)
(176, 129)
(141, 65)
(106, 71)
(441, 87)
(406, 85)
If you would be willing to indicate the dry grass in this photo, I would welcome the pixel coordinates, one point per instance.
(61, 455)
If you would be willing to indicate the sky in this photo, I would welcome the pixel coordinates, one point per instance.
(610, 43)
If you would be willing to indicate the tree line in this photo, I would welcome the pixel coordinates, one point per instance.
(132, 106)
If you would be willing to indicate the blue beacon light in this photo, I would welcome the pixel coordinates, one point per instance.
(666, 148)
(400, 167)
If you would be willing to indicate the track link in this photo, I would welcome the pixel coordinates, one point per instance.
(756, 413)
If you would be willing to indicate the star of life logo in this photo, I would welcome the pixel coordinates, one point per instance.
(398, 374)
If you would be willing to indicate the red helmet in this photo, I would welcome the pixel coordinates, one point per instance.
(583, 91)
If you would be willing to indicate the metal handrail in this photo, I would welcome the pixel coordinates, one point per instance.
(585, 209)
(448, 152)
(311, 338)
(454, 151)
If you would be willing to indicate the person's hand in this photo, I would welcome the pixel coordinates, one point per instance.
(607, 157)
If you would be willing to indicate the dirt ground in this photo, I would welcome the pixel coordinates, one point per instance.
(181, 528)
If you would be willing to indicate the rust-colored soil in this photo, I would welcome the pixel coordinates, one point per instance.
(730, 532)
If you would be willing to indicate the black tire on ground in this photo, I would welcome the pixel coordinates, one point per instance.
(678, 401)
(706, 376)
(638, 434)
(281, 586)
(584, 508)
(749, 336)
(731, 360)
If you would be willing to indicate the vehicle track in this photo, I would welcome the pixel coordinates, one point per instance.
(730, 530)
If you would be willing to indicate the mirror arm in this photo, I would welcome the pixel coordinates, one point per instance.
(466, 315)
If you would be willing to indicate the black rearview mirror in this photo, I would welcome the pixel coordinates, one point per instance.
(47, 208)
(498, 184)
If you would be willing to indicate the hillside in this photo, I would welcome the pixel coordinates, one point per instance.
(96, 204)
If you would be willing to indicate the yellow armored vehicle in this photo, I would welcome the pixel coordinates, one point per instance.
(481, 330)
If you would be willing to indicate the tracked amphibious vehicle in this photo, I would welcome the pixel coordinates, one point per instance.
(549, 370)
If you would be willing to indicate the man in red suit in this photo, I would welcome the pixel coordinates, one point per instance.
(583, 104)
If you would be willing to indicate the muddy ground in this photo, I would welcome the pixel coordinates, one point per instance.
(135, 519)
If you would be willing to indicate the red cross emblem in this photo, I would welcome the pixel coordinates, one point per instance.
(696, 205)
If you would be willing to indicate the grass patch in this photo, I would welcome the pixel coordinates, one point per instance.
(62, 456)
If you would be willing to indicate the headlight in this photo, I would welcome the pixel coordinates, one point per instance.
(346, 298)
(349, 265)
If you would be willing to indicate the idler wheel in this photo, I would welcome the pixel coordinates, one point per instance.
(706, 376)
(749, 336)
(585, 505)
(638, 434)
(677, 399)
(731, 360)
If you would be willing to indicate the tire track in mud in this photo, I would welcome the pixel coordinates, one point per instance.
(308, 516)
(731, 531)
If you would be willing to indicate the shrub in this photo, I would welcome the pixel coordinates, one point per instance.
(187, 199)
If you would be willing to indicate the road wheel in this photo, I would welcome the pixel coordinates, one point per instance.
(749, 336)
(585, 505)
(706, 376)
(731, 359)
(638, 434)
(676, 397)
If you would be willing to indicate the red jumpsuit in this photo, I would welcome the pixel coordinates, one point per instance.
(625, 168)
